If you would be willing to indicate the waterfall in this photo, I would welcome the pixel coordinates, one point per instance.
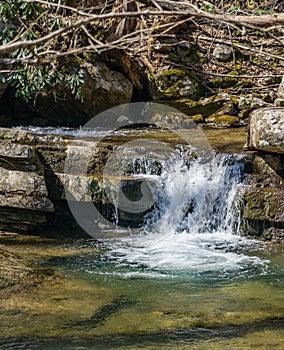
(193, 230)
(198, 197)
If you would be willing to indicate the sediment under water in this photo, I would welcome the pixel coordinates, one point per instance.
(187, 280)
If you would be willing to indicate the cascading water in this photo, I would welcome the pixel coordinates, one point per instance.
(194, 229)
(199, 198)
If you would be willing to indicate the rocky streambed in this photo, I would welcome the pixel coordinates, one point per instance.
(60, 288)
(34, 172)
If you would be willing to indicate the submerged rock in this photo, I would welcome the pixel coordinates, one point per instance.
(16, 273)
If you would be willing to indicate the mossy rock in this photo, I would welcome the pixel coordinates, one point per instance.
(175, 83)
(264, 204)
(223, 83)
(198, 118)
(206, 107)
(223, 121)
(227, 109)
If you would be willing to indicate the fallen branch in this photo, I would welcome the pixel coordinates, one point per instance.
(243, 20)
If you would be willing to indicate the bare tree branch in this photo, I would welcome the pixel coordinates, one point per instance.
(246, 20)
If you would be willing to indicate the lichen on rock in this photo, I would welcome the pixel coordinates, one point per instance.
(266, 130)
(174, 84)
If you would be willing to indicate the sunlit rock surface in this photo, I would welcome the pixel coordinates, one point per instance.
(266, 130)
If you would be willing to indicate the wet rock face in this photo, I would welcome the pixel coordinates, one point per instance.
(262, 200)
(266, 130)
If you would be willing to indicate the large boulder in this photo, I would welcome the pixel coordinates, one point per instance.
(102, 89)
(266, 130)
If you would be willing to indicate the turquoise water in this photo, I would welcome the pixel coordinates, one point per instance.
(105, 299)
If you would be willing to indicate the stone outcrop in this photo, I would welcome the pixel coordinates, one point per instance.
(34, 172)
(262, 208)
(266, 130)
(262, 204)
(101, 89)
(174, 84)
(23, 192)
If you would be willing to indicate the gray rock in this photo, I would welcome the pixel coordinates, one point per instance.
(257, 103)
(266, 130)
(222, 53)
(102, 89)
(244, 102)
(17, 136)
(20, 153)
(24, 190)
(174, 84)
(24, 198)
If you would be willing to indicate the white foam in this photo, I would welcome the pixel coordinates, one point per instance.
(194, 230)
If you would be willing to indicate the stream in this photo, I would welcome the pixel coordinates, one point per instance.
(188, 279)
